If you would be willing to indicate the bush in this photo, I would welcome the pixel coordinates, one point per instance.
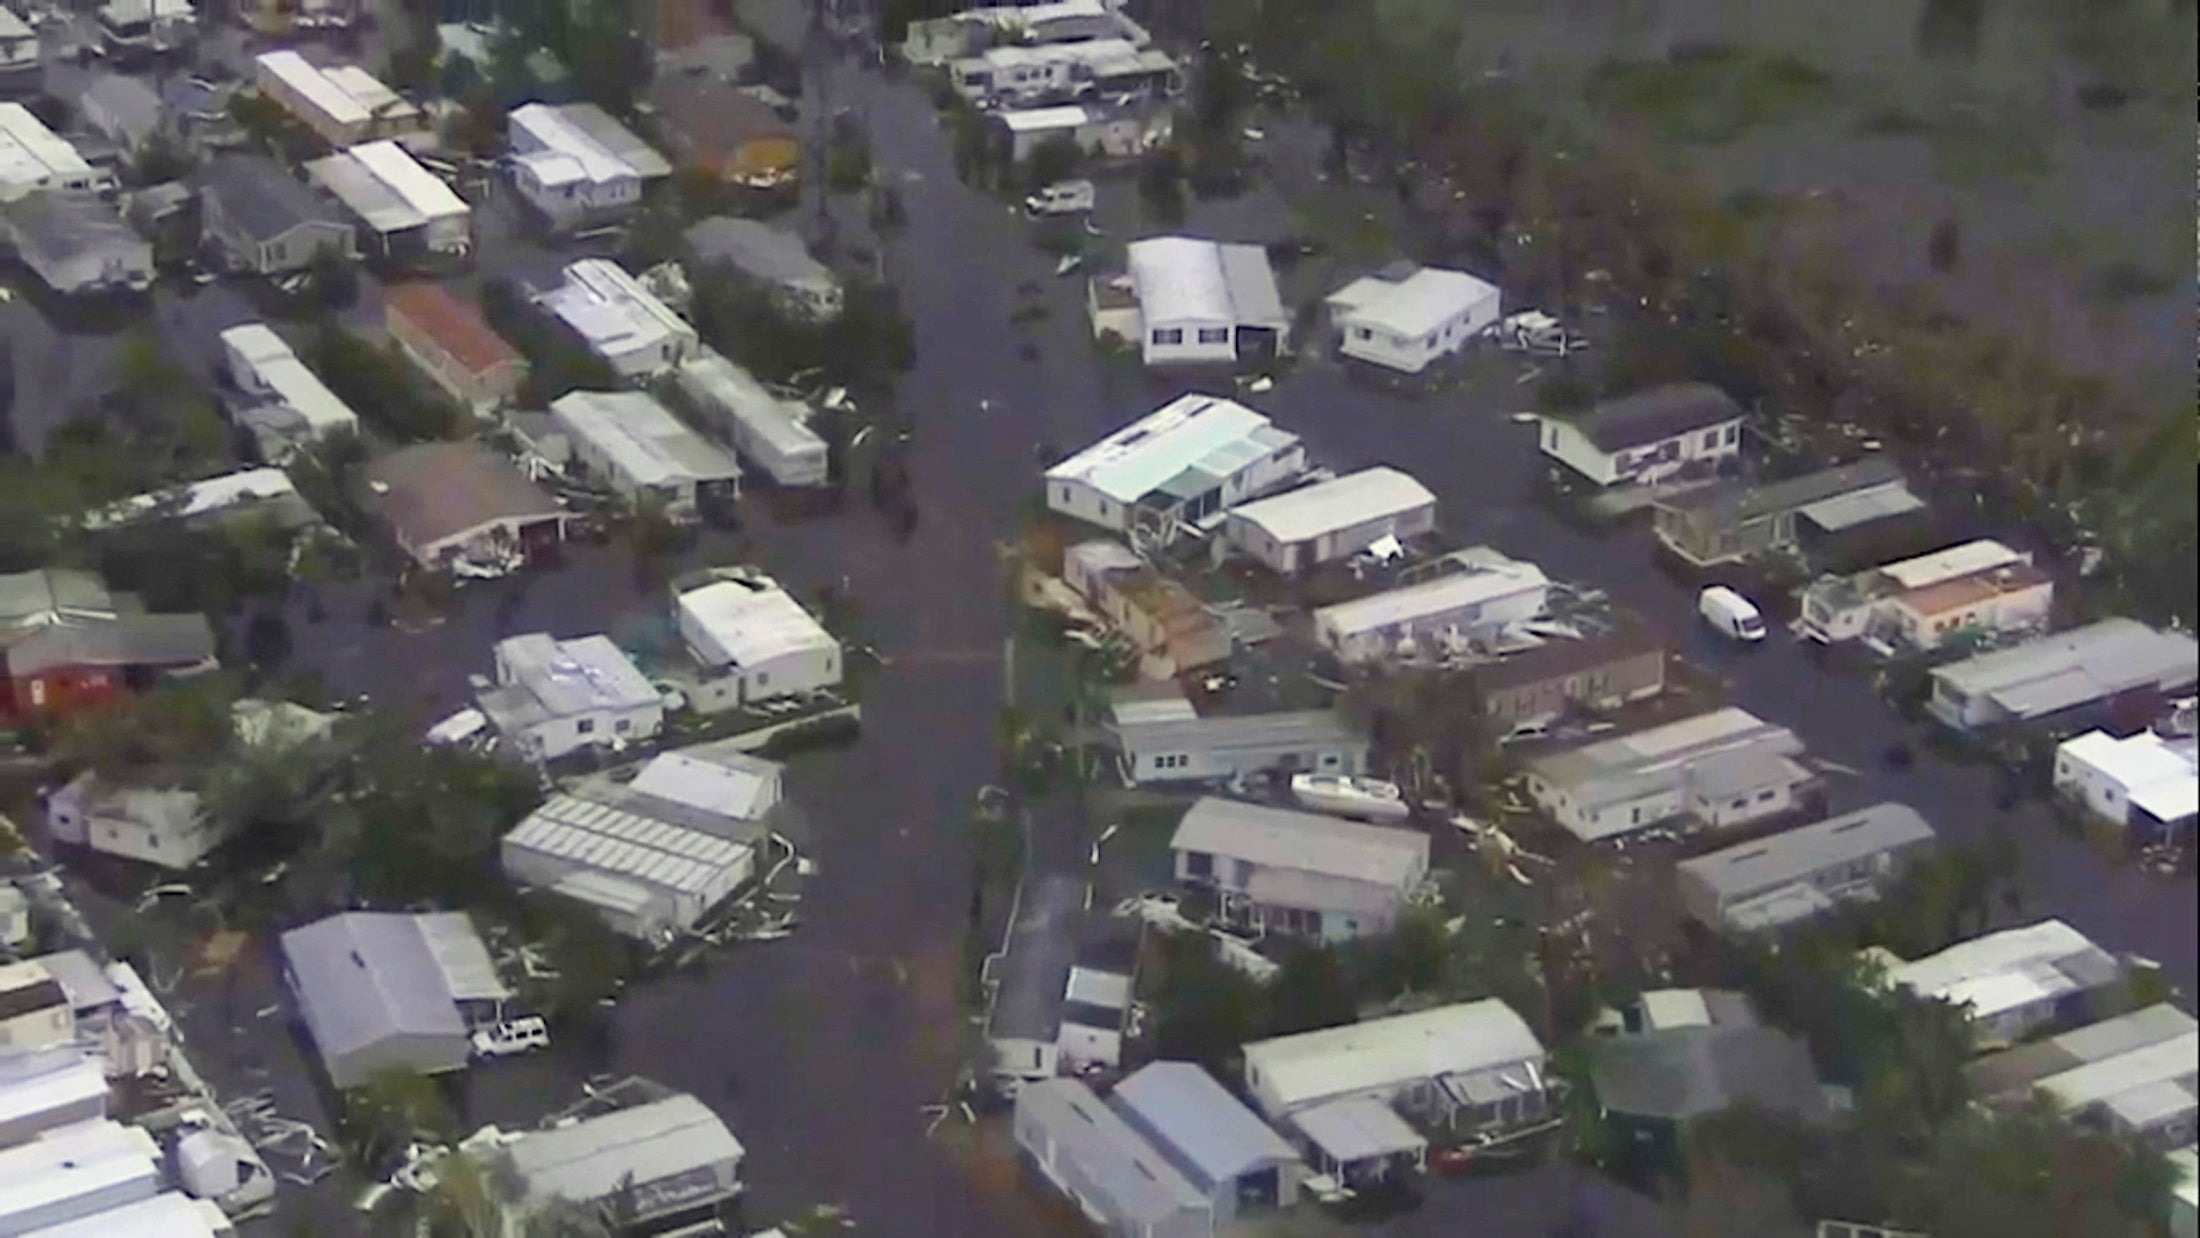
(378, 385)
(1161, 188)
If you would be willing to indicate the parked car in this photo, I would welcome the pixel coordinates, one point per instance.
(1730, 614)
(1061, 198)
(511, 1036)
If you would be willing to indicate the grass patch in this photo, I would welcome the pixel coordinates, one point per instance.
(1711, 97)
(1974, 151)
(1890, 120)
(2127, 281)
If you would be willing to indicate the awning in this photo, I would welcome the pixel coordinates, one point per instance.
(1488, 1087)
(1358, 1129)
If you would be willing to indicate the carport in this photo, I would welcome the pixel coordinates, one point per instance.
(1360, 1141)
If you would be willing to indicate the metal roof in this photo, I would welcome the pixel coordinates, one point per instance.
(1950, 563)
(629, 845)
(2141, 1085)
(381, 207)
(757, 248)
(642, 439)
(66, 1170)
(1418, 304)
(715, 779)
(1136, 460)
(1135, 1183)
(1645, 762)
(274, 366)
(439, 491)
(569, 677)
(1655, 414)
(1306, 728)
(611, 310)
(1479, 585)
(1191, 280)
(168, 1215)
(1281, 838)
(1340, 503)
(363, 977)
(421, 189)
(59, 224)
(753, 623)
(50, 595)
(31, 154)
(1738, 503)
(298, 73)
(1208, 1134)
(2014, 1072)
(2161, 776)
(2056, 672)
(713, 381)
(2010, 969)
(672, 1150)
(1851, 511)
(1688, 1072)
(461, 956)
(1036, 119)
(1357, 1128)
(1385, 1053)
(1794, 855)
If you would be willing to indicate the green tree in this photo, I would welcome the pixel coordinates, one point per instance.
(1204, 1010)
(392, 1109)
(1052, 160)
(1310, 991)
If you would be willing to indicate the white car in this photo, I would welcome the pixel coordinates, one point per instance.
(1730, 614)
(512, 1036)
(1061, 198)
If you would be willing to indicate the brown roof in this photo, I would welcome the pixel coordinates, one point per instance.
(437, 491)
(1564, 657)
(450, 322)
(715, 120)
(1939, 599)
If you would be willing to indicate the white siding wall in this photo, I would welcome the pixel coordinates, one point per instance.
(1188, 341)
(1562, 442)
(1414, 355)
(559, 736)
(2102, 793)
(2023, 608)
(1075, 498)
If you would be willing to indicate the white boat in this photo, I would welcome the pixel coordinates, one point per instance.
(1369, 799)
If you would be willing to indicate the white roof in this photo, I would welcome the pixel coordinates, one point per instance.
(1968, 559)
(1107, 990)
(337, 97)
(280, 370)
(200, 497)
(169, 1215)
(13, 27)
(730, 784)
(1132, 462)
(576, 676)
(1326, 507)
(2185, 1167)
(642, 438)
(2140, 1085)
(1484, 581)
(2159, 775)
(563, 141)
(1356, 1128)
(1387, 1053)
(1027, 120)
(637, 848)
(752, 624)
(610, 309)
(778, 423)
(2005, 970)
(30, 154)
(421, 189)
(1419, 303)
(45, 1085)
(73, 1163)
(1180, 279)
(364, 194)
(1308, 842)
(650, 1144)
(2073, 667)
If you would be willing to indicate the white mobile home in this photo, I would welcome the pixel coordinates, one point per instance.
(1721, 769)
(1221, 1146)
(288, 405)
(1408, 324)
(1647, 435)
(1181, 466)
(1298, 873)
(1841, 608)
(1229, 747)
(554, 697)
(32, 157)
(646, 454)
(1205, 302)
(1476, 596)
(1797, 875)
(1470, 1066)
(2065, 675)
(343, 103)
(756, 642)
(2018, 981)
(770, 432)
(2145, 783)
(406, 215)
(637, 335)
(1331, 520)
(575, 164)
(1118, 1180)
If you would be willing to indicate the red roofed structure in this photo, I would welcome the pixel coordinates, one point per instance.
(453, 345)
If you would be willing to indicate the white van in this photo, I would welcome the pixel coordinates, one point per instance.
(1061, 198)
(1730, 614)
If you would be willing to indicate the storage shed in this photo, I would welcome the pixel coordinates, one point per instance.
(1222, 1147)
(1331, 520)
(1117, 1179)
